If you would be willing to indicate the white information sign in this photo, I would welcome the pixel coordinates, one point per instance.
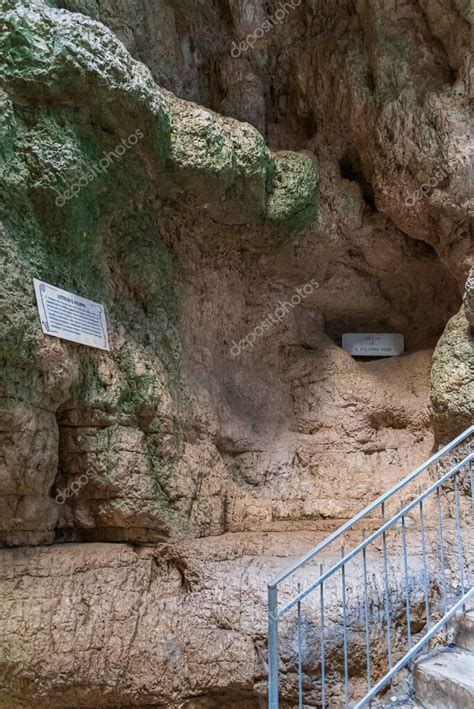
(371, 344)
(71, 317)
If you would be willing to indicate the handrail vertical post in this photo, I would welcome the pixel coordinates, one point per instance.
(322, 641)
(442, 514)
(471, 475)
(272, 647)
(345, 634)
(387, 591)
(407, 578)
(441, 550)
(300, 659)
(426, 581)
(366, 620)
(459, 543)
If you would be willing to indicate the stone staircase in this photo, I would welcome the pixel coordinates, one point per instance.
(445, 679)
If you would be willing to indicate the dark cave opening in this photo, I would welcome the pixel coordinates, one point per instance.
(371, 81)
(350, 167)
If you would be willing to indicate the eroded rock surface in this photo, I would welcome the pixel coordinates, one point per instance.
(111, 625)
(231, 257)
(382, 88)
(186, 158)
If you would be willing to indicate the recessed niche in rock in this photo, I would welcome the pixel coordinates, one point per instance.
(351, 169)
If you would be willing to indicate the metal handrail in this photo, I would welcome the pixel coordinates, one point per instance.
(415, 649)
(370, 508)
(276, 614)
(384, 528)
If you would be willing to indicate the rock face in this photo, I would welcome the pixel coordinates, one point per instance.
(381, 88)
(452, 379)
(143, 627)
(469, 300)
(75, 235)
(231, 257)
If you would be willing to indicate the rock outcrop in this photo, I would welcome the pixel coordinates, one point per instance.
(452, 374)
(115, 626)
(469, 300)
(382, 88)
(226, 422)
(66, 221)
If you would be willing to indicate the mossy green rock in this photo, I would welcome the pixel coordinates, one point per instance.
(452, 379)
(293, 199)
(95, 158)
(55, 56)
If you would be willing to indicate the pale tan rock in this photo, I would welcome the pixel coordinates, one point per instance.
(386, 87)
(106, 625)
(247, 460)
(469, 299)
(452, 379)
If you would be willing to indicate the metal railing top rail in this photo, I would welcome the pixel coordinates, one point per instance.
(415, 650)
(370, 508)
(378, 533)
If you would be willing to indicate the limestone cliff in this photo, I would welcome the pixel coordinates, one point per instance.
(318, 185)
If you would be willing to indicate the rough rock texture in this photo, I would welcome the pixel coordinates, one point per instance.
(469, 300)
(381, 86)
(130, 401)
(464, 631)
(452, 379)
(225, 411)
(112, 625)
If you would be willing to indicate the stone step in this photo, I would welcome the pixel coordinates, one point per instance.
(445, 680)
(464, 631)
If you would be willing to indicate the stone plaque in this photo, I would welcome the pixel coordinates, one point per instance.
(370, 344)
(70, 317)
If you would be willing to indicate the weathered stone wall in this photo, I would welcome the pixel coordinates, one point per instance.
(382, 87)
(226, 416)
(124, 413)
